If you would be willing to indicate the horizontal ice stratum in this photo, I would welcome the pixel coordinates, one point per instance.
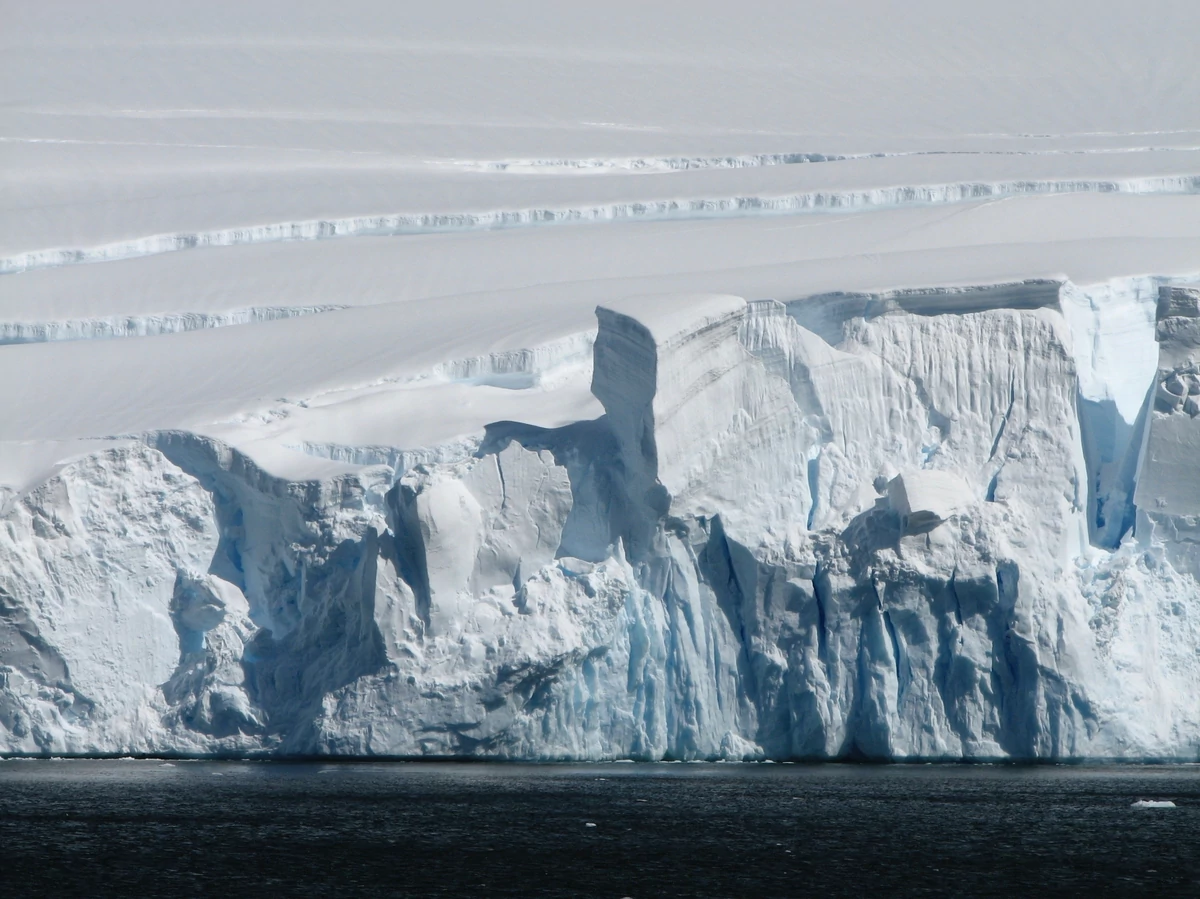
(552, 381)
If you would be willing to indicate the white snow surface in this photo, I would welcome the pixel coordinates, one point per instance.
(651, 381)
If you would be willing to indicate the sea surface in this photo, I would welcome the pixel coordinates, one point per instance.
(149, 828)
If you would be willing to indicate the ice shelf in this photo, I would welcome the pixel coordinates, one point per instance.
(801, 383)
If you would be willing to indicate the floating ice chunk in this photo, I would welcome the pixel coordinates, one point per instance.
(589, 824)
(1153, 803)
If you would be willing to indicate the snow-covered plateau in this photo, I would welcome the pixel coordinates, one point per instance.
(541, 382)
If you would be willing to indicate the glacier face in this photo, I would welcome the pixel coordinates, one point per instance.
(954, 523)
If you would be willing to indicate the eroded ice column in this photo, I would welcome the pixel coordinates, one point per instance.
(1168, 488)
(712, 450)
(702, 427)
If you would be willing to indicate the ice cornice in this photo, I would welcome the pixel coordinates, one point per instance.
(673, 318)
(701, 208)
(824, 314)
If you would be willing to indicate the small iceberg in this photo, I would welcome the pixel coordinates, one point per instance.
(1153, 803)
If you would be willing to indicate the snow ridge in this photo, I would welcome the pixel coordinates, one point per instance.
(147, 325)
(396, 224)
(760, 160)
(661, 163)
(521, 368)
(399, 460)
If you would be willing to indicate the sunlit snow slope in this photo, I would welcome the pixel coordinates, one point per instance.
(543, 380)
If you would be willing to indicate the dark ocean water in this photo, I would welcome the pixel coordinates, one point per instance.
(138, 828)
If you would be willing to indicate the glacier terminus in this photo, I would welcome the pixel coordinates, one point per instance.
(533, 389)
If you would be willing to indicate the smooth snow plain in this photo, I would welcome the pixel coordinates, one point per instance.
(543, 381)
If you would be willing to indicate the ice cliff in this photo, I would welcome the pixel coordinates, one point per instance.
(914, 524)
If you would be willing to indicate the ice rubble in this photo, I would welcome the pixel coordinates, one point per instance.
(920, 524)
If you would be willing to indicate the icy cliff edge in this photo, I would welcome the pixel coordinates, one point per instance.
(914, 525)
